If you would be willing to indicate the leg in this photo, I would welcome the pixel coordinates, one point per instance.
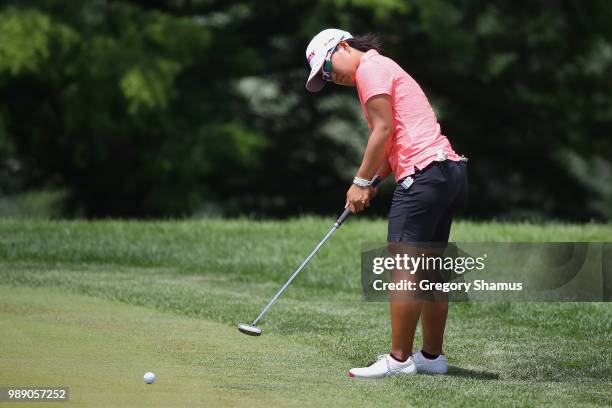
(407, 308)
(404, 318)
(433, 321)
(434, 314)
(404, 309)
(413, 219)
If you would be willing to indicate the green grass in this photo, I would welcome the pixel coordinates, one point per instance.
(101, 349)
(211, 275)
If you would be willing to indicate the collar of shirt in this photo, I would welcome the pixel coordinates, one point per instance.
(369, 54)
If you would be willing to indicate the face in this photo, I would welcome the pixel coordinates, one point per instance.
(343, 65)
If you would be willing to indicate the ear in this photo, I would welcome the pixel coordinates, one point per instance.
(345, 45)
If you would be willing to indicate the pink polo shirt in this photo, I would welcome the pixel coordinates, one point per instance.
(417, 139)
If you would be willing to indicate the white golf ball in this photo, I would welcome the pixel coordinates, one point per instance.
(149, 377)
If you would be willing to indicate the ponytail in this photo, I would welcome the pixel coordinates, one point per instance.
(365, 43)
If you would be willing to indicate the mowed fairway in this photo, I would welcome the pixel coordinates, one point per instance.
(94, 305)
(101, 349)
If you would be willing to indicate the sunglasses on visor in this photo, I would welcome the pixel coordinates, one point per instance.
(326, 69)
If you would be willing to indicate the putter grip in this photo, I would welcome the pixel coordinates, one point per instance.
(347, 211)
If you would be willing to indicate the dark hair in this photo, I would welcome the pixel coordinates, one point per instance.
(365, 42)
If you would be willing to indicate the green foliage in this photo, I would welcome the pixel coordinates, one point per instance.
(32, 204)
(150, 86)
(29, 38)
(164, 108)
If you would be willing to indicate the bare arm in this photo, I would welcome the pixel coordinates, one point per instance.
(375, 157)
(381, 116)
(384, 169)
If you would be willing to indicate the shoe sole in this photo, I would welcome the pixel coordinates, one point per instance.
(378, 378)
(423, 370)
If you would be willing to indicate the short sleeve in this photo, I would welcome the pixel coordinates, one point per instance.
(373, 79)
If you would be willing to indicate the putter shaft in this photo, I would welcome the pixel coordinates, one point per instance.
(308, 258)
(375, 182)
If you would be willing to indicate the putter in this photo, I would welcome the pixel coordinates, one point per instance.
(252, 329)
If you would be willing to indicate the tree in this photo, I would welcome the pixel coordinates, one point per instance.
(164, 108)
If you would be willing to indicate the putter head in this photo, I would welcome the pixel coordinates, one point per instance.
(250, 330)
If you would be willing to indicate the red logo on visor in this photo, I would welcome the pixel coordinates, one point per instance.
(310, 56)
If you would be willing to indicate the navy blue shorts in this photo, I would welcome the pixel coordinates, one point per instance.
(423, 212)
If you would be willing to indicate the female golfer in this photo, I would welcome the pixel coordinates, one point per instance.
(431, 179)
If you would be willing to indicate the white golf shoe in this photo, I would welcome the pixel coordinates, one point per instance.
(438, 365)
(384, 366)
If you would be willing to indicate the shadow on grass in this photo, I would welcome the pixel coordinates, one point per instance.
(478, 375)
